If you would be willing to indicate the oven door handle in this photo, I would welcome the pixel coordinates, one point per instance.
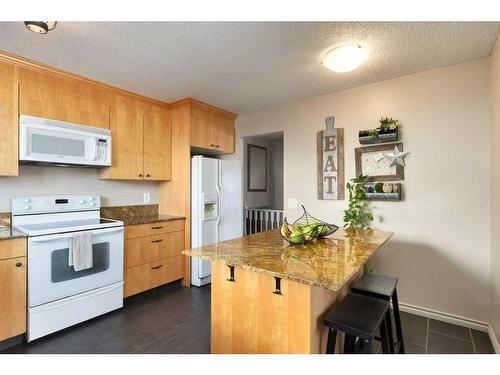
(54, 237)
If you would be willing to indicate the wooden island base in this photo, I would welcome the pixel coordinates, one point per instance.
(247, 317)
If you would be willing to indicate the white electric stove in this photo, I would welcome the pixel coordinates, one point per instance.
(59, 296)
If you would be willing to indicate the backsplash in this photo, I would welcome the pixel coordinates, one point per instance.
(4, 218)
(129, 212)
(39, 180)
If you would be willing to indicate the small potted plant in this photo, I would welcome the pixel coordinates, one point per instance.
(387, 131)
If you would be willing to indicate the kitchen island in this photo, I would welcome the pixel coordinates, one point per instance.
(270, 297)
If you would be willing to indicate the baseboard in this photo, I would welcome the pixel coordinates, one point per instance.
(445, 317)
(493, 339)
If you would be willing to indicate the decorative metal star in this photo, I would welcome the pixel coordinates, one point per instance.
(397, 157)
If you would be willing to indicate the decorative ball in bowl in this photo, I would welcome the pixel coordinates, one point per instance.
(306, 229)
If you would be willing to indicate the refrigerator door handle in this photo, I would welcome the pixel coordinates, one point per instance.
(219, 211)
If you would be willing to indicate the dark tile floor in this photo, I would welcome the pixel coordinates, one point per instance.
(423, 335)
(173, 319)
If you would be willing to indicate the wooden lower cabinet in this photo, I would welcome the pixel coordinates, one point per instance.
(12, 288)
(248, 317)
(151, 275)
(153, 260)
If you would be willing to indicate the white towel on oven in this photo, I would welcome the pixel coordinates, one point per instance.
(80, 251)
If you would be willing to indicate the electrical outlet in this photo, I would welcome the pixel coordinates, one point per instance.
(147, 198)
(293, 203)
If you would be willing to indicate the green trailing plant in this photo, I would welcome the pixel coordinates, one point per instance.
(357, 215)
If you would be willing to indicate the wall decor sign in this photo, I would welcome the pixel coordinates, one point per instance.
(330, 143)
(381, 162)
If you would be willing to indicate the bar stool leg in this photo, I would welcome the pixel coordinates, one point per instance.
(367, 344)
(390, 337)
(349, 342)
(332, 339)
(384, 335)
(397, 320)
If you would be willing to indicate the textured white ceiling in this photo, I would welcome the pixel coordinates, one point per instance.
(244, 66)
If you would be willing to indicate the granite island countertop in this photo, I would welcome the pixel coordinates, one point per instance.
(327, 263)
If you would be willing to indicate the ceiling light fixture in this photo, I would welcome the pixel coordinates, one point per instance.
(345, 58)
(40, 27)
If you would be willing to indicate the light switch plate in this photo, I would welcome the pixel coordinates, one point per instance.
(147, 198)
(293, 203)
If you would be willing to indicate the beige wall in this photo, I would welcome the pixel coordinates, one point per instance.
(495, 188)
(35, 180)
(440, 250)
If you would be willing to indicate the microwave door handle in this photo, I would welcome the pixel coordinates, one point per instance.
(56, 237)
(96, 149)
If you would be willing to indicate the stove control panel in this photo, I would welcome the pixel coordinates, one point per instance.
(54, 203)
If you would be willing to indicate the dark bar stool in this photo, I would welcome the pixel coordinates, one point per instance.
(383, 287)
(360, 317)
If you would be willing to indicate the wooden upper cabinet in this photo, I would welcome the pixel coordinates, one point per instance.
(127, 161)
(157, 143)
(9, 158)
(141, 143)
(224, 134)
(202, 129)
(211, 131)
(53, 105)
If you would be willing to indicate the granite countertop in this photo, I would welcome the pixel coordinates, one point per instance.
(138, 214)
(147, 219)
(327, 263)
(6, 231)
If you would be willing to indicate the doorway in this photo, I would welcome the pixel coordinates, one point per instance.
(263, 182)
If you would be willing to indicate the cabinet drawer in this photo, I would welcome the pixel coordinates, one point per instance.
(12, 297)
(151, 275)
(142, 230)
(12, 248)
(143, 250)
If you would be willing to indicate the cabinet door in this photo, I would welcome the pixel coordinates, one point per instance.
(157, 143)
(202, 129)
(127, 160)
(8, 122)
(224, 134)
(12, 297)
(44, 103)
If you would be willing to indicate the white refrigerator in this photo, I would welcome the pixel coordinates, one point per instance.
(216, 208)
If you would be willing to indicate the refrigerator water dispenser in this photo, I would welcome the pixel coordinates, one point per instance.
(210, 211)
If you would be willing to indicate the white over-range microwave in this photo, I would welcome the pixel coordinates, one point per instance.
(44, 141)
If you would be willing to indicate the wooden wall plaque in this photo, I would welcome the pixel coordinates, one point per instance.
(331, 162)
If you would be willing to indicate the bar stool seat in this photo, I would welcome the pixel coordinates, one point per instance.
(376, 284)
(383, 287)
(359, 316)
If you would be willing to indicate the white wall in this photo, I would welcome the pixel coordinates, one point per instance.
(495, 189)
(440, 250)
(34, 180)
